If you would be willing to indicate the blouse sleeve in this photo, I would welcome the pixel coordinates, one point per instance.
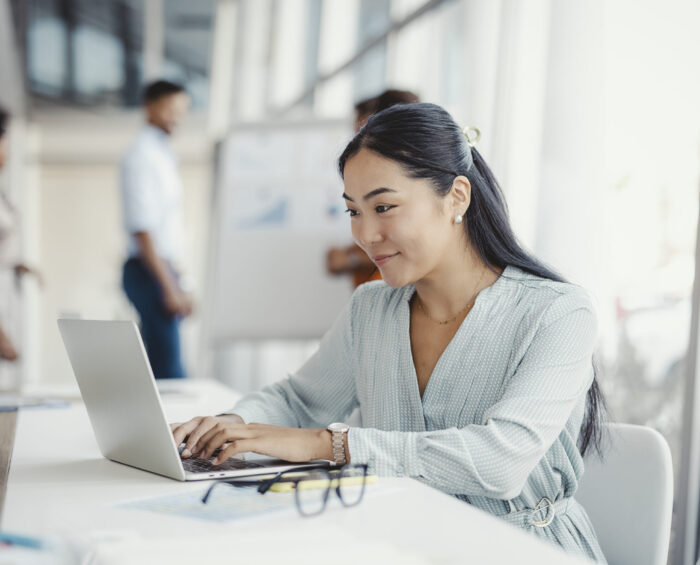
(321, 392)
(495, 458)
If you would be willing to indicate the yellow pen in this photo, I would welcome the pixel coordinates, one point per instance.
(288, 486)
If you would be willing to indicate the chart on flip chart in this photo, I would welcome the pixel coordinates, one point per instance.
(278, 208)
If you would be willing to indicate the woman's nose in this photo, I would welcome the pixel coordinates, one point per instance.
(366, 233)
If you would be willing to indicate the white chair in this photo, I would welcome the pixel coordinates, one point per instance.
(629, 495)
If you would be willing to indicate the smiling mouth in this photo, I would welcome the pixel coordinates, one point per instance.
(380, 260)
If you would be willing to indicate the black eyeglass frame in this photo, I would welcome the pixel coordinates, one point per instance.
(331, 472)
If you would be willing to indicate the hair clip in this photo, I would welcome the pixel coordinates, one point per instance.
(473, 135)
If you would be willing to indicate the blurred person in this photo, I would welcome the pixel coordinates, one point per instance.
(12, 269)
(471, 362)
(152, 197)
(351, 259)
(363, 110)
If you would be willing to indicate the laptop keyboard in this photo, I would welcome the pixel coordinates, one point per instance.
(196, 465)
(203, 465)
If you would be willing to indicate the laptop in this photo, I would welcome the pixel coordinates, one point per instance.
(122, 400)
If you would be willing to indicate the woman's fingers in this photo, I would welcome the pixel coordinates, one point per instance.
(203, 445)
(197, 432)
(220, 435)
(181, 431)
(192, 446)
(191, 431)
(204, 435)
(234, 448)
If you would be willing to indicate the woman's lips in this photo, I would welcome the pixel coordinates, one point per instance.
(380, 260)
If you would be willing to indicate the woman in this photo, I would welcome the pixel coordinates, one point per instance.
(471, 363)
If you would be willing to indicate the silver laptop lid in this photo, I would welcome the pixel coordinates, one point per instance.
(123, 403)
(120, 394)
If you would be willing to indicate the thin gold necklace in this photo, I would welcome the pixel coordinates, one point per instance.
(458, 314)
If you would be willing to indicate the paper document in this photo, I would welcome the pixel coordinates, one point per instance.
(12, 402)
(225, 503)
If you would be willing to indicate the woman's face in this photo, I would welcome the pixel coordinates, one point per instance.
(399, 221)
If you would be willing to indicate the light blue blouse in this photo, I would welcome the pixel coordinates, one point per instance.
(499, 419)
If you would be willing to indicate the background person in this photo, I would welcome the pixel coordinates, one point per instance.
(471, 363)
(351, 260)
(152, 207)
(11, 267)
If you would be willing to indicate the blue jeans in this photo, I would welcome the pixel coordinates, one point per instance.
(159, 329)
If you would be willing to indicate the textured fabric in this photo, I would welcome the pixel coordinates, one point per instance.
(159, 329)
(9, 290)
(499, 419)
(152, 193)
(9, 233)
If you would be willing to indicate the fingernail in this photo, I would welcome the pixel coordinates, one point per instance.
(186, 453)
(215, 461)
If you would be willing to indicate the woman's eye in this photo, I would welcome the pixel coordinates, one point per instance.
(351, 212)
(383, 208)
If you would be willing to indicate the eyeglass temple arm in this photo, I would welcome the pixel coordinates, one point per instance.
(233, 483)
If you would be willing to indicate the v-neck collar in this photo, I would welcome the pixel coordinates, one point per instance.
(468, 326)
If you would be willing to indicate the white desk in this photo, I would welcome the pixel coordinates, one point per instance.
(60, 484)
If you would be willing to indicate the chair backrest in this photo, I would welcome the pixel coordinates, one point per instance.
(628, 495)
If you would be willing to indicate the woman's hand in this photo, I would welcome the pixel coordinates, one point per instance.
(193, 430)
(232, 436)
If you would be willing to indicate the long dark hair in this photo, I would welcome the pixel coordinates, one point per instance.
(428, 144)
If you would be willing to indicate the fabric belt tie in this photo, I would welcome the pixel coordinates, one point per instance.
(540, 516)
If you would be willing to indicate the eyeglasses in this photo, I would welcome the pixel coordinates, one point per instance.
(311, 487)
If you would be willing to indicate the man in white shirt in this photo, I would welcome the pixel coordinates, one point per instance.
(152, 205)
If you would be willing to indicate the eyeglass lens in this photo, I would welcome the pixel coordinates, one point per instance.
(351, 486)
(312, 492)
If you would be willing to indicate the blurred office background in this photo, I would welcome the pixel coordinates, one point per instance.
(589, 111)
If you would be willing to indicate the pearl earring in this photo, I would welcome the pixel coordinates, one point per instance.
(458, 219)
